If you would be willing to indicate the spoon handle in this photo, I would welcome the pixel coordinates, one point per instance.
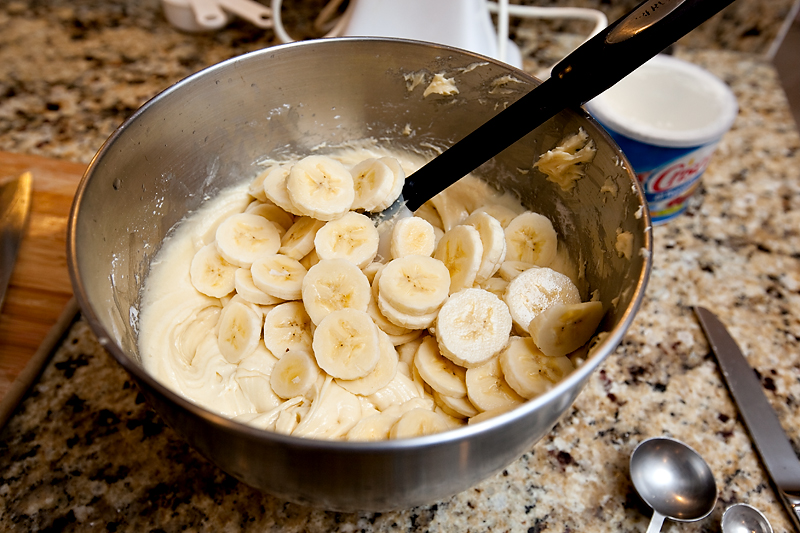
(588, 71)
(655, 523)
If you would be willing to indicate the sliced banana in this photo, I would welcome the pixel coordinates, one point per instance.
(239, 331)
(496, 286)
(472, 327)
(397, 185)
(405, 320)
(535, 290)
(211, 274)
(252, 375)
(412, 236)
(414, 284)
(204, 230)
(503, 214)
(380, 376)
(352, 237)
(397, 340)
(530, 372)
(298, 241)
(561, 329)
(287, 327)
(256, 187)
(294, 374)
(428, 213)
(493, 239)
(407, 350)
(320, 187)
(418, 423)
(455, 407)
(377, 426)
(334, 284)
(383, 323)
(373, 182)
(279, 276)
(487, 390)
(450, 208)
(530, 237)
(371, 269)
(511, 269)
(346, 344)
(275, 188)
(244, 237)
(461, 252)
(273, 213)
(441, 374)
(310, 259)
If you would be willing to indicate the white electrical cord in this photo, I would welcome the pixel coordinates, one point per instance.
(504, 10)
(501, 8)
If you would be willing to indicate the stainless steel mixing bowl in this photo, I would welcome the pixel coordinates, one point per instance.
(210, 130)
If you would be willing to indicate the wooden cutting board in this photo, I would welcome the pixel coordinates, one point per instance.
(40, 292)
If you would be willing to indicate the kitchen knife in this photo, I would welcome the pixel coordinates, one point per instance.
(15, 203)
(771, 442)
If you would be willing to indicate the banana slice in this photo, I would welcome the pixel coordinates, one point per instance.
(279, 276)
(503, 214)
(415, 285)
(418, 423)
(253, 374)
(493, 239)
(530, 237)
(407, 350)
(294, 374)
(273, 213)
(405, 320)
(334, 284)
(561, 329)
(487, 390)
(461, 251)
(530, 372)
(352, 237)
(373, 182)
(511, 269)
(310, 259)
(239, 331)
(455, 407)
(256, 187)
(320, 187)
(428, 213)
(397, 340)
(397, 185)
(228, 203)
(496, 286)
(383, 323)
(450, 208)
(244, 237)
(211, 274)
(412, 236)
(377, 426)
(298, 241)
(472, 327)
(535, 290)
(287, 327)
(346, 344)
(275, 188)
(439, 372)
(371, 269)
(380, 376)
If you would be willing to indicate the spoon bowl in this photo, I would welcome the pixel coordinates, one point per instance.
(743, 518)
(674, 480)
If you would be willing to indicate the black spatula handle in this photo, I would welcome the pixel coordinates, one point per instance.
(588, 71)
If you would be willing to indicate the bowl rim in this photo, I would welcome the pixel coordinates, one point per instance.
(466, 432)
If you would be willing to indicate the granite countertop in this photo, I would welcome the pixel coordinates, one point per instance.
(84, 451)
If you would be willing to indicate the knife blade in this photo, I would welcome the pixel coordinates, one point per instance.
(15, 203)
(762, 423)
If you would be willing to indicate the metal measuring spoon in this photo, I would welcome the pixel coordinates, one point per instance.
(743, 518)
(673, 480)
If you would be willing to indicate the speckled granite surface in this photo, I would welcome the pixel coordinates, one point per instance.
(84, 452)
